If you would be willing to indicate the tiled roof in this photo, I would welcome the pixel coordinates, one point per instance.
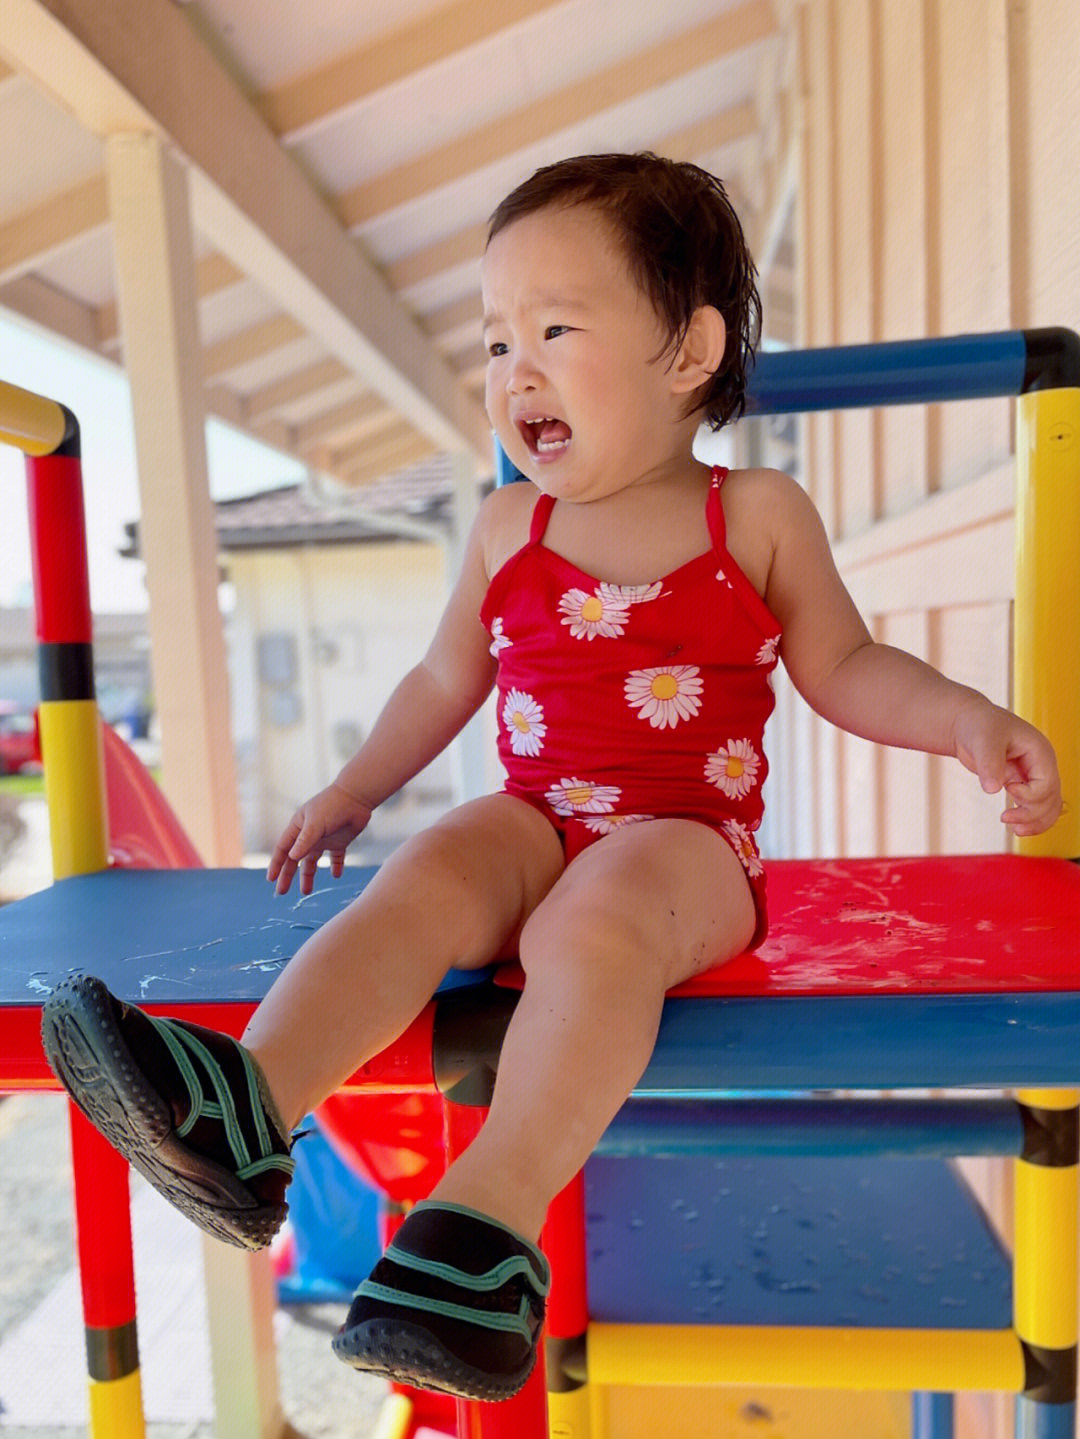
(291, 515)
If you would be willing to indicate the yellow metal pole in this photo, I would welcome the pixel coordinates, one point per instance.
(1047, 616)
(71, 745)
(1046, 692)
(569, 1414)
(804, 1358)
(30, 422)
(1045, 1265)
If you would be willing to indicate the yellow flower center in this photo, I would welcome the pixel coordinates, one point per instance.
(520, 723)
(592, 609)
(734, 767)
(665, 687)
(579, 794)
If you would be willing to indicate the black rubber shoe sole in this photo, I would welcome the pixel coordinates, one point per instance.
(408, 1354)
(86, 1049)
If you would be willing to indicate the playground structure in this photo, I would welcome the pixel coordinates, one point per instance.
(970, 984)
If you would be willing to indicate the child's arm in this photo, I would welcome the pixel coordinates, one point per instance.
(428, 708)
(884, 694)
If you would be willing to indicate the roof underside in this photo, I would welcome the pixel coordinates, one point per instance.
(341, 169)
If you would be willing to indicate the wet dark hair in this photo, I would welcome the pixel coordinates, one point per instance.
(684, 244)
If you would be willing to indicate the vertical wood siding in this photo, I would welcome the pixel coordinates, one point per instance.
(937, 193)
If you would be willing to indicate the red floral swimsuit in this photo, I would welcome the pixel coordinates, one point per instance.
(619, 704)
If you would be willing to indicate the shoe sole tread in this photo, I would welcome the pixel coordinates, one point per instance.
(89, 1056)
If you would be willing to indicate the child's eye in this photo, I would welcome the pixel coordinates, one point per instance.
(495, 348)
(553, 331)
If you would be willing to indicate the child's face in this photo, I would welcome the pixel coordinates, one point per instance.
(578, 385)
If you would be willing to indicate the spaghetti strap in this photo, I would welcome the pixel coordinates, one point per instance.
(714, 510)
(540, 516)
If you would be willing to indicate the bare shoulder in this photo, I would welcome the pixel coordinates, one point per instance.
(761, 490)
(762, 508)
(503, 523)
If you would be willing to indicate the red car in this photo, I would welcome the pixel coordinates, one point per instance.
(18, 745)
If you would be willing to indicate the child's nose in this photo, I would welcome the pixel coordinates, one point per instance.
(523, 375)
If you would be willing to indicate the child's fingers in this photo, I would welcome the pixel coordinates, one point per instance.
(1035, 815)
(280, 855)
(284, 875)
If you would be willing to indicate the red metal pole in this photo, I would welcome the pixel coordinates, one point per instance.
(103, 1228)
(58, 549)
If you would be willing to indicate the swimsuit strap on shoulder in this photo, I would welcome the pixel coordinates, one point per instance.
(540, 516)
(714, 509)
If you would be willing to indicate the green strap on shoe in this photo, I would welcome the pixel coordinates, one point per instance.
(182, 1045)
(484, 1283)
(486, 1319)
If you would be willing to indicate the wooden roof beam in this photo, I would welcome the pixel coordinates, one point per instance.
(298, 386)
(695, 140)
(213, 273)
(732, 31)
(30, 238)
(379, 461)
(297, 107)
(251, 344)
(362, 415)
(135, 64)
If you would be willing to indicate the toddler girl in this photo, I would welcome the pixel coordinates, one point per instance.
(630, 605)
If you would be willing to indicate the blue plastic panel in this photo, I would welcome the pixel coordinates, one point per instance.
(171, 936)
(999, 1041)
(831, 1242)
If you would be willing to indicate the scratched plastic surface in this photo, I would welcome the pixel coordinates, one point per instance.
(952, 925)
(163, 936)
(828, 1242)
(971, 924)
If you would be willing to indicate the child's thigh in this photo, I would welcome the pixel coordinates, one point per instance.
(669, 898)
(478, 873)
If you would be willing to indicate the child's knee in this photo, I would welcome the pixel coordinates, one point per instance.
(591, 938)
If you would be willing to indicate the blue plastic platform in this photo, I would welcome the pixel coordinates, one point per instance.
(851, 1243)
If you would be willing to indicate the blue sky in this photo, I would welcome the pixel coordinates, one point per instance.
(98, 394)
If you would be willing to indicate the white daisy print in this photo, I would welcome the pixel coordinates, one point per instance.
(733, 768)
(743, 845)
(666, 695)
(600, 613)
(633, 594)
(606, 823)
(499, 640)
(580, 796)
(524, 721)
(766, 655)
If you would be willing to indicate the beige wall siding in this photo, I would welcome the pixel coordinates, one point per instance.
(939, 145)
(933, 199)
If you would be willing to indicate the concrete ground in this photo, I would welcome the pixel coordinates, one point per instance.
(42, 1384)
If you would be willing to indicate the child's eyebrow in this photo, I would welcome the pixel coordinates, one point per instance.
(545, 299)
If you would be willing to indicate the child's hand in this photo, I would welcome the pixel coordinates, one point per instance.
(1008, 753)
(327, 823)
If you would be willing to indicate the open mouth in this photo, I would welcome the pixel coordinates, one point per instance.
(545, 436)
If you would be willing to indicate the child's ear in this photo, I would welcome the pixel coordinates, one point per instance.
(699, 356)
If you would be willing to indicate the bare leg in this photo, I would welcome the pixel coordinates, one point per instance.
(638, 912)
(456, 895)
